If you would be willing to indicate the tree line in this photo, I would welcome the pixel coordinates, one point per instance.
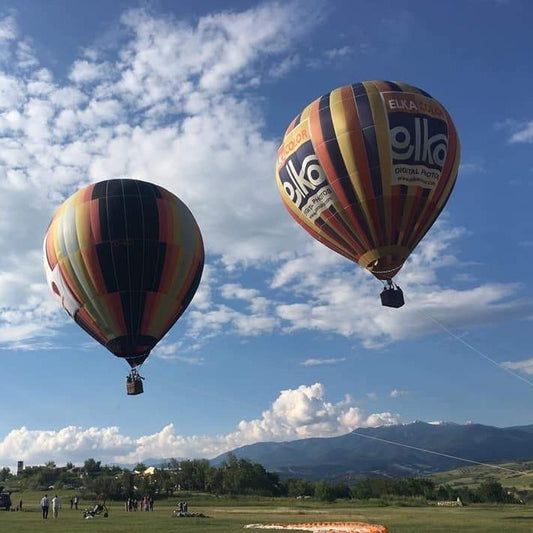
(237, 477)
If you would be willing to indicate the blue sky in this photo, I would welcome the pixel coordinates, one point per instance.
(284, 339)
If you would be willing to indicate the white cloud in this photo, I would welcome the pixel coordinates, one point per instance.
(284, 66)
(67, 444)
(524, 133)
(8, 29)
(235, 290)
(158, 111)
(304, 412)
(337, 53)
(84, 71)
(174, 351)
(295, 414)
(12, 92)
(472, 168)
(316, 361)
(327, 302)
(166, 109)
(520, 131)
(398, 393)
(525, 366)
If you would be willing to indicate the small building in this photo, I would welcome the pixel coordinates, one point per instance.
(451, 503)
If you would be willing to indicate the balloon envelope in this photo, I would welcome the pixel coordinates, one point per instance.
(366, 170)
(124, 257)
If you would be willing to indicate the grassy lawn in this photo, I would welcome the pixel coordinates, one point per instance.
(472, 476)
(230, 515)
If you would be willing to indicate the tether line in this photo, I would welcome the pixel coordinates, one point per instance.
(473, 348)
(441, 454)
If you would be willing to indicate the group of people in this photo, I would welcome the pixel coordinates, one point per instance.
(183, 507)
(56, 505)
(144, 504)
(45, 505)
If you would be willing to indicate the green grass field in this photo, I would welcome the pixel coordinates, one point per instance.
(472, 476)
(230, 515)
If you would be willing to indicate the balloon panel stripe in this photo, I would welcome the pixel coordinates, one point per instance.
(330, 156)
(319, 136)
(441, 194)
(381, 128)
(394, 86)
(360, 174)
(358, 89)
(344, 121)
(319, 231)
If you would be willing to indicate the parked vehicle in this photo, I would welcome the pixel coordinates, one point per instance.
(5, 501)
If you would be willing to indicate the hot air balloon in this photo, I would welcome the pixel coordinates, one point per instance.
(366, 170)
(124, 257)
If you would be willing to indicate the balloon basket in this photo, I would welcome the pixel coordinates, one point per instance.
(134, 384)
(392, 296)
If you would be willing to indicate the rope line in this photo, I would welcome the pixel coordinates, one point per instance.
(442, 454)
(479, 352)
(473, 348)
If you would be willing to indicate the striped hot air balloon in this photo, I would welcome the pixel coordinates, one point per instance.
(124, 257)
(366, 169)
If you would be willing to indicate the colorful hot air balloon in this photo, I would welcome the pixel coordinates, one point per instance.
(366, 170)
(124, 257)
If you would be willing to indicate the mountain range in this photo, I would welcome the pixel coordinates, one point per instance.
(403, 450)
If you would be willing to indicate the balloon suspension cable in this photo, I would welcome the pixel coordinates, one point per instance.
(424, 450)
(475, 350)
(134, 374)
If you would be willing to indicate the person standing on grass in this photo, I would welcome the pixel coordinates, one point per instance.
(45, 504)
(56, 505)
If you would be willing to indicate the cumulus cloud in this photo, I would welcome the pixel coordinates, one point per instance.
(398, 393)
(295, 414)
(519, 131)
(174, 351)
(67, 444)
(472, 168)
(336, 53)
(316, 361)
(332, 56)
(170, 104)
(327, 302)
(524, 134)
(173, 103)
(525, 366)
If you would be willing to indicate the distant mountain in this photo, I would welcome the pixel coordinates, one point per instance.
(365, 451)
(529, 429)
